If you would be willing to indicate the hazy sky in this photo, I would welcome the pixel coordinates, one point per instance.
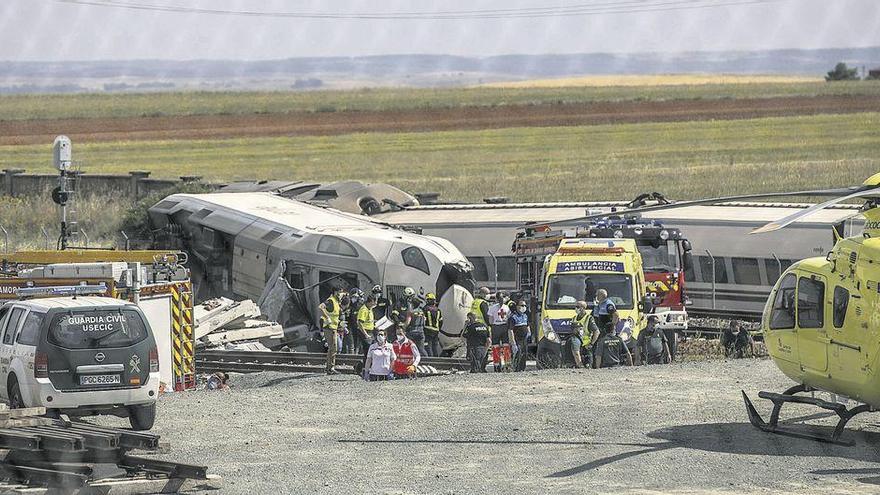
(59, 30)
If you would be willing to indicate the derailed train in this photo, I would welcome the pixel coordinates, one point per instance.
(259, 245)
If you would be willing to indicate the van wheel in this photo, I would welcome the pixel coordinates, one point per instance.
(15, 400)
(142, 417)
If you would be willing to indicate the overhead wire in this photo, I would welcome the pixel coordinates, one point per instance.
(601, 8)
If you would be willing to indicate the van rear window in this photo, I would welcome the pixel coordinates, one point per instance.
(97, 329)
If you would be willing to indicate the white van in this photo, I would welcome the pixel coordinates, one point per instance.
(79, 356)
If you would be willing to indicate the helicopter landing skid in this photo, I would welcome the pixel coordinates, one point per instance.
(779, 400)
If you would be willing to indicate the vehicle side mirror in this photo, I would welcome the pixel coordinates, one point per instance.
(646, 305)
(688, 262)
(686, 245)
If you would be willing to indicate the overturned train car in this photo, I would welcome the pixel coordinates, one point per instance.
(288, 255)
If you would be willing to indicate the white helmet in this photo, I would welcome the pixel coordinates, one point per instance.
(409, 292)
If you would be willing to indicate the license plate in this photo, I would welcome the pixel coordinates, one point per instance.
(99, 380)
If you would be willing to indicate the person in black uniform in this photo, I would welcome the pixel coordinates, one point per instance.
(612, 351)
(653, 344)
(478, 338)
(735, 341)
(381, 310)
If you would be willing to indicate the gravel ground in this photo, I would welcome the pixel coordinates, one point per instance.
(680, 428)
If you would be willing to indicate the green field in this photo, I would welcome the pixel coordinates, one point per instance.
(18, 107)
(682, 160)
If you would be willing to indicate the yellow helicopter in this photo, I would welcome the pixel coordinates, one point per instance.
(821, 323)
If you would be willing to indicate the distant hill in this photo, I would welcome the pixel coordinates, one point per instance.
(405, 70)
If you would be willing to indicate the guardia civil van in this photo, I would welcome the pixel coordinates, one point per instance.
(79, 356)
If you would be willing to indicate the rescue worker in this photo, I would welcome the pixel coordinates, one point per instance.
(518, 323)
(407, 355)
(380, 357)
(584, 326)
(365, 324)
(498, 314)
(381, 310)
(624, 330)
(653, 344)
(478, 338)
(433, 325)
(403, 307)
(480, 306)
(416, 329)
(346, 343)
(735, 340)
(603, 309)
(331, 315)
(611, 351)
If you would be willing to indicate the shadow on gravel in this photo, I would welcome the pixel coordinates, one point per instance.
(873, 480)
(283, 379)
(743, 438)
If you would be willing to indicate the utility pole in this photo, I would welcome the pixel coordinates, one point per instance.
(63, 193)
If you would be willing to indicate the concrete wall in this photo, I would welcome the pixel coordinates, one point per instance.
(137, 184)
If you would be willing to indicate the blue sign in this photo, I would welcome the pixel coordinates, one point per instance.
(589, 266)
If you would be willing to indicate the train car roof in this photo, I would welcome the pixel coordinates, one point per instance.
(521, 213)
(303, 218)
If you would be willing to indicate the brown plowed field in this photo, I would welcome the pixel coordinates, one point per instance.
(292, 124)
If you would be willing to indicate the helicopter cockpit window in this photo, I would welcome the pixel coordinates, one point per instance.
(782, 314)
(811, 303)
(841, 301)
(334, 245)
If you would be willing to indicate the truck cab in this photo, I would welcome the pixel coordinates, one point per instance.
(578, 269)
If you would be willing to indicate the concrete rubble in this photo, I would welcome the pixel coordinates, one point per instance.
(223, 321)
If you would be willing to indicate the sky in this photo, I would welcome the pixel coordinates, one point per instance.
(57, 30)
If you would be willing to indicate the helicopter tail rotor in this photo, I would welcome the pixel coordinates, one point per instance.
(779, 400)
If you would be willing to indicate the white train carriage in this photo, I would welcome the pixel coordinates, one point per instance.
(732, 270)
(239, 241)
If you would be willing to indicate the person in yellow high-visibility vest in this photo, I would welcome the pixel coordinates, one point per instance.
(366, 325)
(480, 306)
(433, 325)
(331, 314)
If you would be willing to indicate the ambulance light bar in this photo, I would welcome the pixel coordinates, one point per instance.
(62, 290)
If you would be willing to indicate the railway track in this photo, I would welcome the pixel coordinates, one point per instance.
(212, 360)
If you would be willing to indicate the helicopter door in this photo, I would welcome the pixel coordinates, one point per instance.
(812, 336)
(782, 320)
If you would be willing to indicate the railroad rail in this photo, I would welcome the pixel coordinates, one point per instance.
(725, 314)
(211, 360)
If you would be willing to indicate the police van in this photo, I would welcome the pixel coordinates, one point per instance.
(80, 356)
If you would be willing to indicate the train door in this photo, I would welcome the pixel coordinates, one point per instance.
(812, 337)
(327, 280)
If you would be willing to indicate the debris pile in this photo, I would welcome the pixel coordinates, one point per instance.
(222, 321)
(63, 456)
(702, 349)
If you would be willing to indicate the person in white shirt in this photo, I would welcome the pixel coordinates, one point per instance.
(379, 358)
(498, 315)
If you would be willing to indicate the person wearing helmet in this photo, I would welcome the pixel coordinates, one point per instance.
(403, 308)
(433, 325)
(480, 306)
(380, 310)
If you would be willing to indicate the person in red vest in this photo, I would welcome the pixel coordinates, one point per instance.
(408, 355)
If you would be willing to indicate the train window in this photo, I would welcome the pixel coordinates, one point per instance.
(334, 245)
(772, 267)
(782, 314)
(745, 271)
(841, 301)
(706, 269)
(414, 258)
(481, 271)
(328, 280)
(506, 268)
(810, 303)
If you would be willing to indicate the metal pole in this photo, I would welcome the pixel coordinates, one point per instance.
(495, 262)
(86, 236)
(46, 235)
(5, 239)
(712, 259)
(125, 236)
(778, 265)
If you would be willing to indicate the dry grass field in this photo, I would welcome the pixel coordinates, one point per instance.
(654, 80)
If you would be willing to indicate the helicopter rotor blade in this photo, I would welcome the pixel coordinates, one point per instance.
(782, 222)
(709, 201)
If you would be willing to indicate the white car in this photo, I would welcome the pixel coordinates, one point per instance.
(79, 356)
